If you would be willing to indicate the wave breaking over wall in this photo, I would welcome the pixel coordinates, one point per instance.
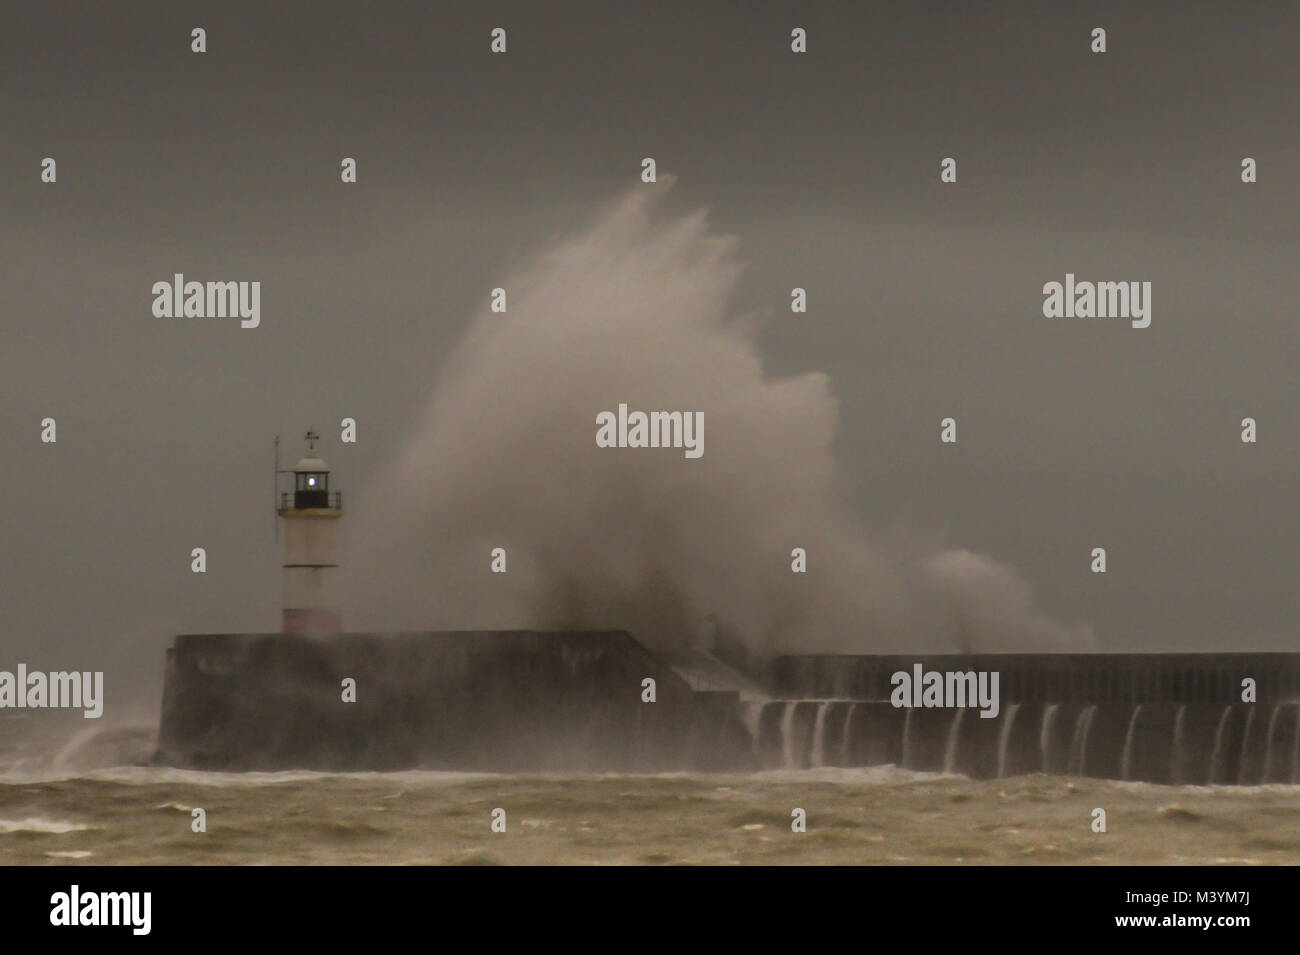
(636, 310)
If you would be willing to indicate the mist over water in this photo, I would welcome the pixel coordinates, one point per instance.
(636, 310)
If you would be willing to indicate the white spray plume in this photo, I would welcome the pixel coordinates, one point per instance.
(635, 310)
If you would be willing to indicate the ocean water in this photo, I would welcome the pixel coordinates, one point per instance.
(80, 799)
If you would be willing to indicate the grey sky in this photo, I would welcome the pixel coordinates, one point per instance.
(924, 300)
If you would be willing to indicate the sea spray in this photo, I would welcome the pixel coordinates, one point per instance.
(635, 311)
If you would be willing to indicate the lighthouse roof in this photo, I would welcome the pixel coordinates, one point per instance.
(311, 464)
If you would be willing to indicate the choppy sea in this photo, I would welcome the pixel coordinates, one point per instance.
(82, 796)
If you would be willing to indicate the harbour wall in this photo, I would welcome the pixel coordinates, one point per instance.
(477, 701)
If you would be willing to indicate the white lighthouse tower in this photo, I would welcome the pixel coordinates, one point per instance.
(309, 593)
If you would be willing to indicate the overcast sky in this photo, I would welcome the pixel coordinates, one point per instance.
(925, 299)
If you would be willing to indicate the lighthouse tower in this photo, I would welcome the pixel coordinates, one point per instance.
(309, 595)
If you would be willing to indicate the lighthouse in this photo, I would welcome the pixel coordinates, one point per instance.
(308, 579)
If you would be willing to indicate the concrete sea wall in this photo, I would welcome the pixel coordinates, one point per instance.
(1054, 677)
(519, 701)
(1154, 717)
(495, 700)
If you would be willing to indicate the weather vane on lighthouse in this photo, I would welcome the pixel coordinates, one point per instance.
(310, 513)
